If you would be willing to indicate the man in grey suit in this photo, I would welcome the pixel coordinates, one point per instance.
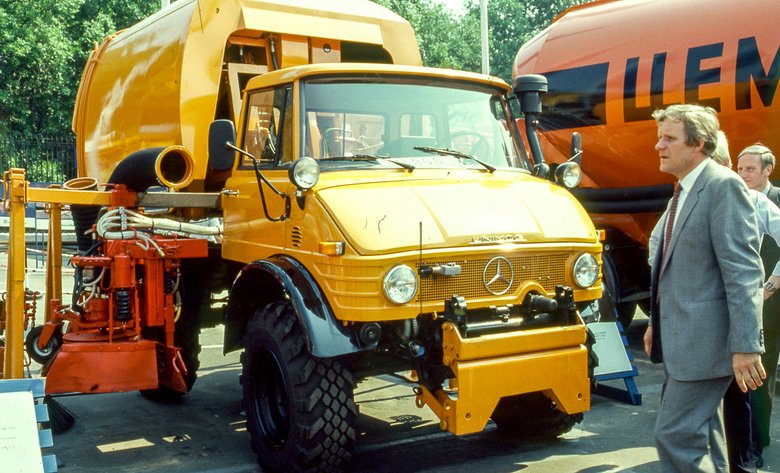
(706, 290)
(755, 164)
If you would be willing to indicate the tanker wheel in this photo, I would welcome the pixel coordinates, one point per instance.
(300, 410)
(532, 416)
(609, 310)
(45, 354)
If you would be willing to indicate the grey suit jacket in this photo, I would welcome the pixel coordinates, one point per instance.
(710, 297)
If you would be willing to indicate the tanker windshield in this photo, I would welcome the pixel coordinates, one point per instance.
(398, 122)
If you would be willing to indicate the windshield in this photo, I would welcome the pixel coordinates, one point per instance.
(412, 122)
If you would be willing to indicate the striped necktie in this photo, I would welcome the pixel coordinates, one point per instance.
(670, 223)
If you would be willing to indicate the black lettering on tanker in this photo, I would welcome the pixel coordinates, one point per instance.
(631, 111)
(576, 97)
(750, 69)
(695, 76)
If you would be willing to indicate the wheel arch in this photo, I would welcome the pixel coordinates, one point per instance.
(281, 277)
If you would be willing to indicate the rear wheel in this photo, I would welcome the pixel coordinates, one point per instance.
(532, 416)
(45, 354)
(300, 409)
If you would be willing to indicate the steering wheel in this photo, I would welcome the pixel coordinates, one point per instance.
(470, 142)
(342, 141)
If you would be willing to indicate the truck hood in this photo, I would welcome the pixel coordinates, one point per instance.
(454, 211)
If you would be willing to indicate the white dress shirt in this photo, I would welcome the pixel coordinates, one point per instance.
(768, 218)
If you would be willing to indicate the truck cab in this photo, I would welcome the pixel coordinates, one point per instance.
(389, 217)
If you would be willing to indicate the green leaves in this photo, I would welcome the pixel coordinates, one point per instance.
(43, 47)
(450, 41)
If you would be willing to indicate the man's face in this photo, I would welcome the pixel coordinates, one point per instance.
(749, 168)
(677, 157)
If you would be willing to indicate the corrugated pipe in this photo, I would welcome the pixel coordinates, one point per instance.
(170, 167)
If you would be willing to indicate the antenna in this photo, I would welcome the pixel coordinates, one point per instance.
(419, 295)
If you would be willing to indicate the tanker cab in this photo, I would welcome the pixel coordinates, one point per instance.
(528, 91)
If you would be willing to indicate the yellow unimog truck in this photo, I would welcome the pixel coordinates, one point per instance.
(372, 216)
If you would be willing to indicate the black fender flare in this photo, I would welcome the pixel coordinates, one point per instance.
(281, 277)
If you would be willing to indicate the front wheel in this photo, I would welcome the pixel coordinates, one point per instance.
(300, 409)
(532, 416)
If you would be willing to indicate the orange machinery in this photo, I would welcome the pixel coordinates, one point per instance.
(118, 332)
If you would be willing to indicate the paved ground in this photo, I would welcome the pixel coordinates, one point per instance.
(205, 432)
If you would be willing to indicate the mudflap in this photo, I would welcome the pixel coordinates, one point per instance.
(487, 368)
(102, 367)
(171, 368)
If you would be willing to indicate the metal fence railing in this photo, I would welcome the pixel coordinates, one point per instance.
(45, 158)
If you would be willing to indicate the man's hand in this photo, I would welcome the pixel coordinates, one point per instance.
(649, 340)
(748, 370)
(771, 285)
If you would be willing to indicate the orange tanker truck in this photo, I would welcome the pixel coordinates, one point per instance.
(609, 65)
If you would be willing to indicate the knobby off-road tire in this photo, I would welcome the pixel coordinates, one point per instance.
(532, 416)
(300, 409)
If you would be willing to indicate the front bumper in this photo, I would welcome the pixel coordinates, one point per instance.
(551, 360)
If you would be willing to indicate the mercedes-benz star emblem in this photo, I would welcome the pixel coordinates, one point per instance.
(498, 275)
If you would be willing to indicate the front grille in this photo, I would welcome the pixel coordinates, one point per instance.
(549, 270)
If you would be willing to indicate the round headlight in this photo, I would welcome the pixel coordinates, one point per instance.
(400, 284)
(569, 174)
(586, 270)
(305, 173)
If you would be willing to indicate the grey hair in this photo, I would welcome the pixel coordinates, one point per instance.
(699, 122)
(721, 154)
(762, 152)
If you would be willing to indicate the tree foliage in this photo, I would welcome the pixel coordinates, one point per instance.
(44, 45)
(447, 40)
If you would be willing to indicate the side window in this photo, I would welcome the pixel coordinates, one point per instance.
(286, 130)
(268, 131)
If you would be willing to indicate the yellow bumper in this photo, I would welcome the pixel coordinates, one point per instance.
(487, 368)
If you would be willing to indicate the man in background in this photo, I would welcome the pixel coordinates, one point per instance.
(755, 164)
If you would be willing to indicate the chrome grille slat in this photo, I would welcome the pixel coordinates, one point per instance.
(549, 270)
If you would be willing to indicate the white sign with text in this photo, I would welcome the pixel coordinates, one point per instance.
(609, 348)
(20, 449)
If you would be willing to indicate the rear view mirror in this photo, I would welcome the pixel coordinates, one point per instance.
(221, 157)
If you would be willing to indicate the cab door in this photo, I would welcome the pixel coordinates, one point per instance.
(253, 214)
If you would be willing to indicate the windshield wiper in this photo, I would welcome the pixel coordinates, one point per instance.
(457, 154)
(371, 158)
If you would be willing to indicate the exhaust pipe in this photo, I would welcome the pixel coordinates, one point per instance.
(171, 167)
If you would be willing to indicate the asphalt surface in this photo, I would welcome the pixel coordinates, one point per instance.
(205, 431)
